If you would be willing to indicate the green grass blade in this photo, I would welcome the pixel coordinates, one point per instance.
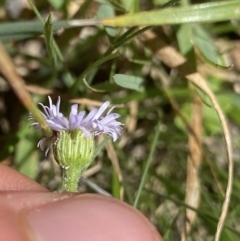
(48, 32)
(149, 160)
(199, 13)
(74, 88)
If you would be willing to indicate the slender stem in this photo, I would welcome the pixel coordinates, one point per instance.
(7, 68)
(74, 88)
(70, 179)
(149, 160)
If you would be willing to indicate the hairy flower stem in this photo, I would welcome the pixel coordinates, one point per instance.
(71, 177)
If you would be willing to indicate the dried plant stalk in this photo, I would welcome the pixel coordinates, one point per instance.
(194, 161)
(173, 59)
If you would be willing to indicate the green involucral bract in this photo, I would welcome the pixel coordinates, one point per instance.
(74, 152)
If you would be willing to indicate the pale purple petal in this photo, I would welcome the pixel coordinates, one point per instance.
(47, 150)
(50, 102)
(92, 125)
(73, 117)
(46, 111)
(41, 144)
(101, 109)
(36, 125)
(58, 105)
(110, 110)
(58, 123)
(79, 120)
(110, 118)
(108, 125)
(90, 116)
(80, 117)
(74, 109)
(86, 132)
(75, 120)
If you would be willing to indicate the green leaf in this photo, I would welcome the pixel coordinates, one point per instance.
(26, 157)
(7, 143)
(21, 27)
(199, 13)
(132, 6)
(107, 11)
(17, 37)
(210, 120)
(116, 186)
(91, 88)
(27, 29)
(48, 32)
(56, 3)
(204, 97)
(204, 42)
(104, 59)
(148, 162)
(106, 87)
(184, 36)
(129, 82)
(100, 146)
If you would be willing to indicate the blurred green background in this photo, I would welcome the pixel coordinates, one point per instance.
(91, 64)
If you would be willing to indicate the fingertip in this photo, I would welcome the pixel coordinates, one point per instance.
(90, 217)
(12, 180)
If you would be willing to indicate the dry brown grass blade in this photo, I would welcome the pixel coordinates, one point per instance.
(39, 90)
(115, 162)
(172, 58)
(198, 80)
(93, 170)
(194, 160)
(195, 150)
(8, 70)
(163, 77)
(36, 89)
(16, 82)
(131, 121)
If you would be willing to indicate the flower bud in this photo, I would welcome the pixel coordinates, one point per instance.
(74, 152)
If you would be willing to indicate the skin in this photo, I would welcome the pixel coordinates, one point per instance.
(29, 212)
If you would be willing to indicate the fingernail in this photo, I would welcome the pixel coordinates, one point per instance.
(90, 217)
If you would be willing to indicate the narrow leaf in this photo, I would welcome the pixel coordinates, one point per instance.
(91, 88)
(199, 13)
(106, 11)
(48, 32)
(129, 82)
(27, 29)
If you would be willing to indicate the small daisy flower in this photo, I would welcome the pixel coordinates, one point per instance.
(73, 141)
(92, 124)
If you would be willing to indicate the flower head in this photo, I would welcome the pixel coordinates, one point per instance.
(92, 124)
